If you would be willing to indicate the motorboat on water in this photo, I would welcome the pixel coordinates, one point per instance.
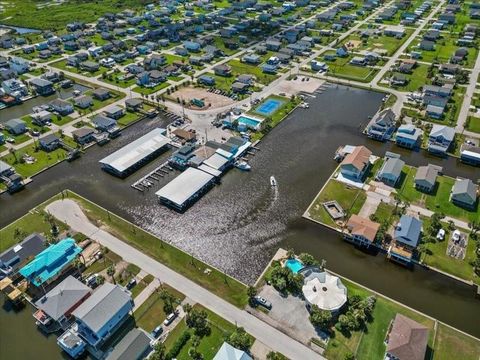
(273, 182)
(242, 165)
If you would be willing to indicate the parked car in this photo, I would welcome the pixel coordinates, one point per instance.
(441, 234)
(263, 302)
(91, 280)
(170, 319)
(456, 236)
(157, 331)
(131, 284)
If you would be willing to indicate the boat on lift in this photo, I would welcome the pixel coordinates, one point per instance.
(242, 165)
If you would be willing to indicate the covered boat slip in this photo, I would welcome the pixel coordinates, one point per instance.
(186, 188)
(134, 155)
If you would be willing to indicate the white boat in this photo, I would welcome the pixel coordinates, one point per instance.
(273, 182)
(242, 165)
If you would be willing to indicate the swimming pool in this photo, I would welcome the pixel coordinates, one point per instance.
(294, 265)
(249, 122)
(269, 106)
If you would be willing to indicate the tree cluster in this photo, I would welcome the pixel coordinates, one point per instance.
(285, 281)
(358, 312)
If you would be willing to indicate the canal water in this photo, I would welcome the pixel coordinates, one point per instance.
(239, 224)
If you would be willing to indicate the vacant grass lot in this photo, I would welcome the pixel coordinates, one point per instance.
(341, 68)
(451, 344)
(473, 124)
(350, 199)
(62, 65)
(389, 44)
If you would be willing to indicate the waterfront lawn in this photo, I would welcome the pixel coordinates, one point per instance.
(43, 159)
(216, 281)
(150, 314)
(436, 256)
(350, 199)
(451, 344)
(439, 201)
(128, 118)
(151, 90)
(473, 124)
(341, 68)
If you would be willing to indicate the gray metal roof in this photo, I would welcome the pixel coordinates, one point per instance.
(184, 186)
(102, 305)
(446, 132)
(62, 297)
(393, 166)
(133, 346)
(408, 230)
(427, 173)
(4, 166)
(136, 151)
(464, 186)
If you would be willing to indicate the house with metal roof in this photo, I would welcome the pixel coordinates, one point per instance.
(409, 136)
(464, 193)
(440, 139)
(102, 313)
(51, 262)
(134, 346)
(49, 142)
(16, 126)
(391, 170)
(405, 239)
(426, 178)
(228, 352)
(135, 154)
(382, 125)
(406, 339)
(58, 304)
(470, 154)
(16, 256)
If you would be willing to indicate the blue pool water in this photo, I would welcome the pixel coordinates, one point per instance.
(249, 122)
(268, 107)
(294, 265)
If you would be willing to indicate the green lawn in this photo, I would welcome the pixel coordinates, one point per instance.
(118, 80)
(150, 314)
(151, 90)
(341, 68)
(416, 79)
(473, 124)
(350, 199)
(239, 68)
(128, 118)
(142, 284)
(450, 344)
(217, 282)
(389, 44)
(62, 65)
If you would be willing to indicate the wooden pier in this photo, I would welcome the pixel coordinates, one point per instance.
(153, 176)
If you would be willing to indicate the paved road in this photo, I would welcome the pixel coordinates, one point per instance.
(69, 212)
(462, 117)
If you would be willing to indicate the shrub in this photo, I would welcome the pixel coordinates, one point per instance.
(178, 345)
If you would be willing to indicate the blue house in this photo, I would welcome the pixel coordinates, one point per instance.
(269, 68)
(342, 51)
(382, 125)
(16, 126)
(102, 314)
(409, 136)
(51, 262)
(104, 123)
(405, 239)
(192, 46)
(206, 80)
(391, 171)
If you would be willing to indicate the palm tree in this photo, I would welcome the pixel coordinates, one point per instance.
(111, 273)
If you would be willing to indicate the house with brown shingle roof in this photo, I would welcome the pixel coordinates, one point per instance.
(356, 164)
(407, 339)
(361, 231)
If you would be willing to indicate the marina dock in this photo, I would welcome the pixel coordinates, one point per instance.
(147, 181)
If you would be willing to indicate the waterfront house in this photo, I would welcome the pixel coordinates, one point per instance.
(16, 126)
(49, 143)
(114, 112)
(102, 313)
(382, 125)
(426, 178)
(133, 104)
(406, 339)
(440, 139)
(468, 154)
(42, 87)
(222, 70)
(391, 171)
(356, 164)
(104, 123)
(361, 231)
(101, 94)
(228, 352)
(51, 262)
(58, 304)
(135, 345)
(409, 136)
(405, 239)
(83, 135)
(464, 193)
(15, 88)
(83, 102)
(19, 254)
(61, 107)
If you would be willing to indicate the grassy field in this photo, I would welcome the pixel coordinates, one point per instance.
(62, 65)
(450, 344)
(350, 199)
(150, 314)
(416, 79)
(150, 90)
(239, 68)
(473, 124)
(29, 13)
(389, 44)
(341, 68)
